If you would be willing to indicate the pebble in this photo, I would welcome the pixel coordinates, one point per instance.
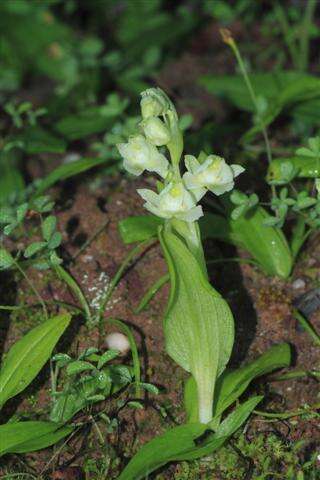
(299, 283)
(118, 341)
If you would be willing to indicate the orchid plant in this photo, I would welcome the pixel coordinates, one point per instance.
(198, 323)
(176, 202)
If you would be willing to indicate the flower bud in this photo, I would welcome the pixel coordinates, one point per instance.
(154, 103)
(150, 107)
(156, 131)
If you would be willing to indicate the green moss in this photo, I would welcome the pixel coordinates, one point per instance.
(263, 457)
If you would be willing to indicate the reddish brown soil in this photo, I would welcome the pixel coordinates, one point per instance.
(262, 306)
(262, 309)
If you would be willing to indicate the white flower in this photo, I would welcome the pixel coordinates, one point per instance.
(139, 155)
(173, 201)
(156, 131)
(213, 174)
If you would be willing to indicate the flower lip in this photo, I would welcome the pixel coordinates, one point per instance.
(174, 201)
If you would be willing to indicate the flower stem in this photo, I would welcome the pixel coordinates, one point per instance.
(33, 288)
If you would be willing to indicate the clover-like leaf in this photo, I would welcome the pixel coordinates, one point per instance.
(313, 149)
(61, 359)
(55, 240)
(88, 352)
(95, 398)
(21, 212)
(8, 229)
(78, 366)
(55, 259)
(42, 204)
(6, 259)
(48, 227)
(107, 356)
(6, 215)
(238, 198)
(304, 203)
(272, 222)
(149, 387)
(34, 248)
(244, 203)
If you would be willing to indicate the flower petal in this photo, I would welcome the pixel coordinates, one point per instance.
(161, 165)
(221, 189)
(191, 163)
(237, 169)
(191, 215)
(149, 196)
(132, 168)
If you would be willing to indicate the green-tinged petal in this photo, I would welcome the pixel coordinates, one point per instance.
(191, 163)
(149, 196)
(237, 169)
(161, 165)
(191, 215)
(132, 168)
(221, 189)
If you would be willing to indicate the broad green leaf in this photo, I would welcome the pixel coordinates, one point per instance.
(161, 450)
(6, 259)
(65, 171)
(184, 443)
(294, 92)
(298, 236)
(139, 228)
(92, 120)
(27, 356)
(37, 140)
(232, 383)
(267, 245)
(198, 325)
(282, 90)
(22, 437)
(226, 428)
(235, 90)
